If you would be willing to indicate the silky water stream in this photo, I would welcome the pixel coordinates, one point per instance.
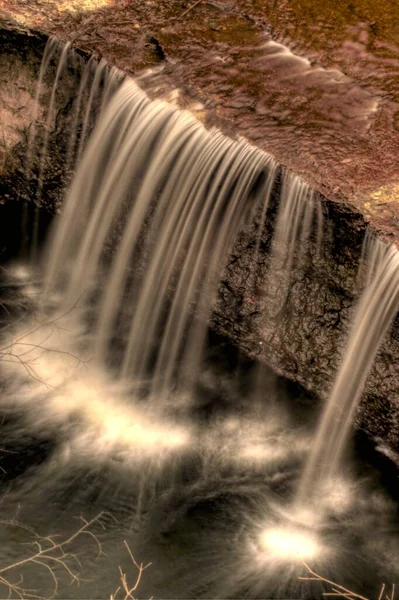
(118, 401)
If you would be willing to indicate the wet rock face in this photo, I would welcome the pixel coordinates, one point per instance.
(38, 151)
(17, 106)
(301, 328)
(33, 140)
(19, 69)
(304, 337)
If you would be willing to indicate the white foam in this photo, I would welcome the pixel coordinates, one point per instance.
(286, 543)
(57, 386)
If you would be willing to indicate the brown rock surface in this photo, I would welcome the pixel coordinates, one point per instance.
(316, 85)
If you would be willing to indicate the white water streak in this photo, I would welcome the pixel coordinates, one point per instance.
(170, 197)
(377, 308)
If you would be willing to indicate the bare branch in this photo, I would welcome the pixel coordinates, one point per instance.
(47, 554)
(129, 590)
(339, 591)
(188, 10)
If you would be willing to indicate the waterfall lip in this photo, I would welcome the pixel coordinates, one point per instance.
(99, 418)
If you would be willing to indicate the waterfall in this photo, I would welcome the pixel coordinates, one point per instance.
(374, 315)
(149, 220)
(107, 360)
(97, 83)
(132, 268)
(299, 218)
(171, 196)
(51, 49)
(156, 204)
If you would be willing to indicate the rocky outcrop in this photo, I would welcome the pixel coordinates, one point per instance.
(309, 339)
(301, 330)
(319, 92)
(36, 163)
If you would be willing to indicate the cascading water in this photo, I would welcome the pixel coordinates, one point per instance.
(375, 313)
(189, 191)
(111, 361)
(299, 217)
(97, 84)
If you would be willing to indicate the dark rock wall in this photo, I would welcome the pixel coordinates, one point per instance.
(19, 70)
(32, 178)
(301, 331)
(22, 138)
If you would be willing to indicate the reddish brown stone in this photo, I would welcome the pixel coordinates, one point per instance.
(329, 109)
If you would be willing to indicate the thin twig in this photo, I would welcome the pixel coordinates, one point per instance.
(345, 593)
(188, 10)
(48, 553)
(339, 591)
(123, 578)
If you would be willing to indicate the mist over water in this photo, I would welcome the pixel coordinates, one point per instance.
(201, 487)
(122, 402)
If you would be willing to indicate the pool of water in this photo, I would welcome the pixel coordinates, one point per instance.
(199, 486)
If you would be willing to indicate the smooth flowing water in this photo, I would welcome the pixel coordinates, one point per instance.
(123, 403)
(171, 197)
(378, 306)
